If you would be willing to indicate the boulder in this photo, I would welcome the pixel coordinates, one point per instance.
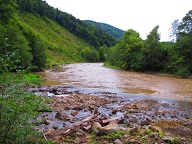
(117, 141)
(111, 127)
(96, 127)
(62, 115)
(156, 128)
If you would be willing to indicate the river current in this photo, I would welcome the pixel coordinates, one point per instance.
(95, 78)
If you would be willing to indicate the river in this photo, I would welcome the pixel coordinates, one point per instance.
(95, 78)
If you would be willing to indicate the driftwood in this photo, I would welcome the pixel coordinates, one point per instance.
(117, 119)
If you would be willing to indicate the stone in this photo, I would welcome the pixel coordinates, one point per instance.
(167, 139)
(62, 115)
(47, 122)
(87, 127)
(55, 127)
(133, 130)
(96, 127)
(117, 141)
(73, 113)
(156, 128)
(111, 127)
(126, 122)
(144, 122)
(43, 89)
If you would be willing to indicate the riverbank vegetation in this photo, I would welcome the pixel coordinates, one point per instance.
(151, 55)
(35, 36)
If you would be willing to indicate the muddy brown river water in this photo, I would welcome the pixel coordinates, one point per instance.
(94, 78)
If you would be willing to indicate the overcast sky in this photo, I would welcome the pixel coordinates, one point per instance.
(139, 15)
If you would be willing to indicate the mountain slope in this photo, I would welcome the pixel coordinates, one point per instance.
(61, 45)
(93, 35)
(113, 31)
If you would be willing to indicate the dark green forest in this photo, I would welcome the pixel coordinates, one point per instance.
(22, 47)
(91, 34)
(115, 32)
(151, 55)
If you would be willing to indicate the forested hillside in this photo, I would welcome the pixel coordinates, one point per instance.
(151, 55)
(34, 34)
(116, 32)
(92, 35)
(61, 46)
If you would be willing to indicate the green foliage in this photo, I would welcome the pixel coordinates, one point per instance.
(90, 55)
(14, 49)
(38, 48)
(117, 33)
(7, 11)
(113, 135)
(33, 79)
(182, 71)
(60, 45)
(102, 53)
(126, 53)
(95, 36)
(154, 56)
(17, 109)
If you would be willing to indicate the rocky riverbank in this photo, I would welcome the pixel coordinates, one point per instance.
(109, 118)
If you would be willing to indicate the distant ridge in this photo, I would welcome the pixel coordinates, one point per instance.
(113, 31)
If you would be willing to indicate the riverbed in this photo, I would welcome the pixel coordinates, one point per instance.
(95, 78)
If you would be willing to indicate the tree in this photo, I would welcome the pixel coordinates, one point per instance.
(184, 43)
(15, 48)
(174, 30)
(7, 10)
(186, 25)
(90, 54)
(154, 56)
(102, 53)
(125, 53)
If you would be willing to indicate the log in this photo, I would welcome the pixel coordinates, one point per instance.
(112, 119)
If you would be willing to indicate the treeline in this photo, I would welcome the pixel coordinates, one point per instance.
(116, 32)
(151, 55)
(91, 34)
(19, 47)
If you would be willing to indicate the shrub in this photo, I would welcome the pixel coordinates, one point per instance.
(17, 109)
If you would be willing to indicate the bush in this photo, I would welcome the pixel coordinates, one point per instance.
(18, 108)
(183, 72)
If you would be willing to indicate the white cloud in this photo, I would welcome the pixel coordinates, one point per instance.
(140, 15)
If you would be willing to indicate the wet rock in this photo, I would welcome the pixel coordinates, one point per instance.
(87, 127)
(43, 89)
(126, 122)
(133, 118)
(165, 105)
(47, 122)
(34, 89)
(112, 127)
(134, 106)
(144, 122)
(117, 141)
(133, 111)
(167, 139)
(156, 128)
(96, 127)
(73, 113)
(133, 130)
(55, 127)
(62, 115)
(133, 141)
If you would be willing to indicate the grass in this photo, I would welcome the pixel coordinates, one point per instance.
(61, 45)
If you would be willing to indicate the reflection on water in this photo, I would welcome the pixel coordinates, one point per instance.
(95, 75)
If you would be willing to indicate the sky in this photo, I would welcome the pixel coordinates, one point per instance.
(139, 15)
